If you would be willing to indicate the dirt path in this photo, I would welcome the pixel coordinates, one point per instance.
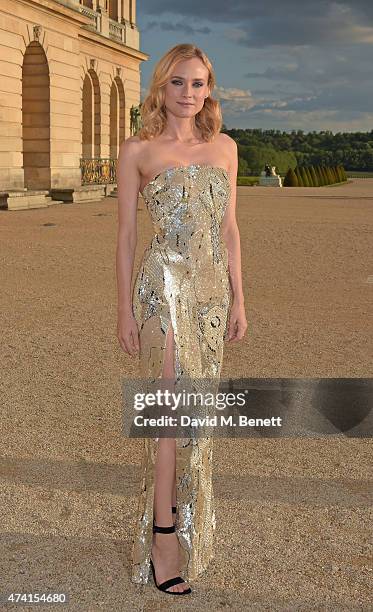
(292, 514)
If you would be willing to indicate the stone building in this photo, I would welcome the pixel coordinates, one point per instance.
(69, 75)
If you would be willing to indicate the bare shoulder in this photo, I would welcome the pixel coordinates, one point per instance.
(229, 146)
(227, 141)
(131, 146)
(131, 154)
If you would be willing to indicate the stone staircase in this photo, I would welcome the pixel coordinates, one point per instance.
(113, 193)
(23, 200)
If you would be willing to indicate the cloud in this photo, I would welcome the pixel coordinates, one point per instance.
(314, 60)
(168, 26)
(312, 68)
(235, 34)
(234, 100)
(285, 23)
(333, 120)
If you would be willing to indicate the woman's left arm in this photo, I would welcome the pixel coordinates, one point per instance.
(231, 236)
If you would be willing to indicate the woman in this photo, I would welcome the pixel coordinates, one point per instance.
(187, 298)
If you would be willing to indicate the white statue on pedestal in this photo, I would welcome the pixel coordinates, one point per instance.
(269, 178)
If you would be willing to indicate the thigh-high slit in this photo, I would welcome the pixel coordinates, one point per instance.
(195, 514)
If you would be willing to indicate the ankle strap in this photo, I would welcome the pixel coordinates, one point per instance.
(157, 529)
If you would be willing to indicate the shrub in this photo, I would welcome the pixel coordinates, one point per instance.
(290, 179)
(330, 175)
(342, 173)
(325, 175)
(309, 176)
(304, 176)
(315, 179)
(247, 180)
(299, 176)
(319, 176)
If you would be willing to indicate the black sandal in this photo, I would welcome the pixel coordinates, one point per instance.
(172, 581)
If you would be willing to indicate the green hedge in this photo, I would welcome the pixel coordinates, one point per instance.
(309, 176)
(247, 180)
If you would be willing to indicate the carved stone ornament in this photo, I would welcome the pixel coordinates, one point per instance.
(37, 32)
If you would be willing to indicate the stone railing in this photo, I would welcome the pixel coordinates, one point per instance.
(93, 15)
(117, 31)
(98, 170)
(123, 31)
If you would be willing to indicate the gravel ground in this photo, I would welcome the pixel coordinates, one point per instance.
(293, 515)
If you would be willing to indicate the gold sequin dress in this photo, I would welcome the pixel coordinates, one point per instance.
(183, 280)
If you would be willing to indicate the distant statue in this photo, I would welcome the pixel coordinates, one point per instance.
(132, 119)
(269, 170)
(135, 119)
(269, 177)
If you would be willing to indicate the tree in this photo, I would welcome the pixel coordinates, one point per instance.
(285, 149)
(304, 177)
(344, 175)
(290, 179)
(243, 167)
(320, 178)
(309, 177)
(325, 175)
(315, 179)
(330, 175)
(299, 177)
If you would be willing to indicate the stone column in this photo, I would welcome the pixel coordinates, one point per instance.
(102, 8)
(125, 10)
(132, 11)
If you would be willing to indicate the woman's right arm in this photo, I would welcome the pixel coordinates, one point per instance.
(128, 185)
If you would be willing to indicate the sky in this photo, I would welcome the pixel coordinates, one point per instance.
(278, 64)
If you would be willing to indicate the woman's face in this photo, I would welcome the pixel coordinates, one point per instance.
(187, 88)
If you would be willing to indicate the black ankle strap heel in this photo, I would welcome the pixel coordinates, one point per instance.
(157, 529)
(172, 581)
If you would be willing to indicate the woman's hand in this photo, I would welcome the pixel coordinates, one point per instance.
(237, 322)
(128, 333)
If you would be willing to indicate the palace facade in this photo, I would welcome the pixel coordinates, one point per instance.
(69, 75)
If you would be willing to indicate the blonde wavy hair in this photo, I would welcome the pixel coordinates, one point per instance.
(153, 111)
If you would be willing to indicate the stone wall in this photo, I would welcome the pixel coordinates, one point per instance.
(48, 50)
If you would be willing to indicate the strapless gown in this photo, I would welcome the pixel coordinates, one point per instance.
(183, 280)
